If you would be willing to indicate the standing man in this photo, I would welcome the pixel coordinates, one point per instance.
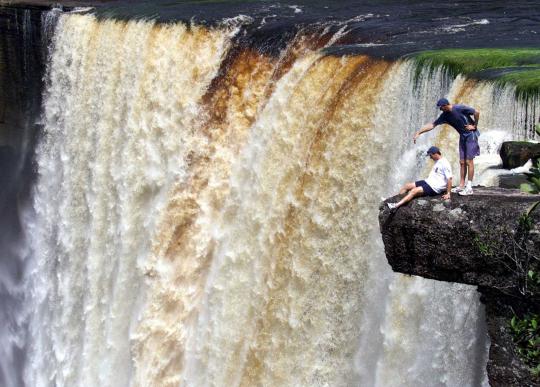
(438, 181)
(459, 116)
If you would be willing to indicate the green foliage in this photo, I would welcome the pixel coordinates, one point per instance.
(525, 222)
(527, 81)
(533, 186)
(470, 61)
(484, 248)
(526, 187)
(517, 66)
(526, 335)
(533, 277)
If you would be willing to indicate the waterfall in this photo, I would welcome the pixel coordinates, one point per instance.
(21, 65)
(138, 129)
(206, 215)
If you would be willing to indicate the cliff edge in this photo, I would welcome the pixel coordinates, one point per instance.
(483, 240)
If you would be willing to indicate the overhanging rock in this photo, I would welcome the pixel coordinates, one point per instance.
(481, 240)
(467, 239)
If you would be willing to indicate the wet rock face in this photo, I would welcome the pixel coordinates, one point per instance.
(22, 67)
(513, 181)
(477, 240)
(516, 153)
(466, 239)
(504, 365)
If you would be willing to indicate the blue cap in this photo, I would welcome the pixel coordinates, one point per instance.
(442, 102)
(432, 150)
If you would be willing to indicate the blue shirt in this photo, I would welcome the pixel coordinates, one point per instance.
(458, 118)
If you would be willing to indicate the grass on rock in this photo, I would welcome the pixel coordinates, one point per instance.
(516, 66)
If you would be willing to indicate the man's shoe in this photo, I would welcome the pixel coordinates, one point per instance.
(392, 205)
(457, 189)
(466, 191)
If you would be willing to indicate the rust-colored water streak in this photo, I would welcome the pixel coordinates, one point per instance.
(315, 285)
(183, 246)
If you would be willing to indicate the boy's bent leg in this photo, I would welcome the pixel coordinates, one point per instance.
(415, 192)
(406, 187)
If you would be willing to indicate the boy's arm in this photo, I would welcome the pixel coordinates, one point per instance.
(448, 189)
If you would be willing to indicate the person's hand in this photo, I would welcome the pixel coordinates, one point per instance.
(446, 196)
(470, 127)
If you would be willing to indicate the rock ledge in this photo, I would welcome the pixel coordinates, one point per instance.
(473, 240)
(459, 240)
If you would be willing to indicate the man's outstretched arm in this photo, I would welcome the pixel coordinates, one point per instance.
(423, 129)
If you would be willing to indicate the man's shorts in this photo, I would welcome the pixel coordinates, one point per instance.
(428, 191)
(468, 147)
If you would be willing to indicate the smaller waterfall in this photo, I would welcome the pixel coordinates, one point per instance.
(421, 332)
(21, 71)
(48, 25)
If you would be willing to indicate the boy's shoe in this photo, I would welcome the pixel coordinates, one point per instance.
(392, 205)
(457, 189)
(466, 191)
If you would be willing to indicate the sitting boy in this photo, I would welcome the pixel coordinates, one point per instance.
(439, 180)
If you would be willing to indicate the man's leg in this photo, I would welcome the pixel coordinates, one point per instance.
(415, 192)
(463, 172)
(472, 149)
(462, 163)
(470, 170)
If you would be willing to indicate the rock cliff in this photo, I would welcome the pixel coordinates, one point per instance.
(481, 240)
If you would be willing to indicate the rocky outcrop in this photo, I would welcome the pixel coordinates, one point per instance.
(481, 240)
(516, 153)
(460, 240)
(504, 366)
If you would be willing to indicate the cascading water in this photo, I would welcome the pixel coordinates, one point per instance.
(140, 134)
(20, 105)
(205, 216)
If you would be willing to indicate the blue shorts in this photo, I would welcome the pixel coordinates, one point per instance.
(428, 191)
(468, 147)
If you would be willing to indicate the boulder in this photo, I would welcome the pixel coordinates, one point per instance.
(516, 153)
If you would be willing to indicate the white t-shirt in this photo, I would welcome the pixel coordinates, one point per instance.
(439, 175)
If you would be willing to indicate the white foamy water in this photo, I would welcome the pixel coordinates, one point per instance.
(114, 112)
(421, 332)
(204, 225)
